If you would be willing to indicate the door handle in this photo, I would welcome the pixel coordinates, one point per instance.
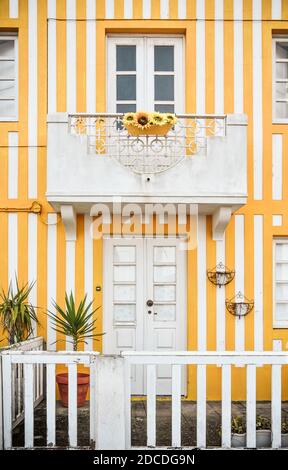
(149, 303)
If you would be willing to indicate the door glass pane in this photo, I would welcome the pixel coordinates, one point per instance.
(126, 108)
(126, 58)
(7, 69)
(164, 254)
(7, 89)
(164, 293)
(282, 50)
(7, 48)
(124, 293)
(281, 110)
(282, 272)
(7, 108)
(164, 108)
(282, 291)
(124, 254)
(124, 274)
(164, 87)
(282, 90)
(164, 58)
(126, 87)
(165, 312)
(164, 273)
(282, 70)
(282, 311)
(124, 312)
(281, 251)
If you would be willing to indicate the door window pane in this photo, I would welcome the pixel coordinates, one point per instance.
(164, 87)
(7, 48)
(7, 108)
(126, 87)
(164, 254)
(124, 312)
(164, 108)
(164, 273)
(281, 70)
(282, 110)
(124, 293)
(281, 251)
(124, 254)
(165, 312)
(281, 291)
(282, 50)
(7, 89)
(164, 293)
(124, 274)
(164, 58)
(125, 108)
(282, 90)
(126, 58)
(7, 69)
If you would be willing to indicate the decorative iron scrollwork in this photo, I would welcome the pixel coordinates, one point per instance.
(220, 275)
(239, 305)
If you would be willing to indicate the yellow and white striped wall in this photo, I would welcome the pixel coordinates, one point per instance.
(228, 70)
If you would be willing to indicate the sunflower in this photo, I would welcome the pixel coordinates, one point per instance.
(142, 120)
(129, 118)
(170, 118)
(158, 119)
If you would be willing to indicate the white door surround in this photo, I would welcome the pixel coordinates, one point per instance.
(144, 300)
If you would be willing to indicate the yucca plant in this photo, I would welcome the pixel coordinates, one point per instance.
(74, 322)
(17, 315)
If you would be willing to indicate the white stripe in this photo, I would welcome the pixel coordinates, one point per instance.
(88, 268)
(12, 165)
(258, 282)
(220, 300)
(51, 276)
(32, 98)
(146, 7)
(200, 57)
(276, 9)
(70, 276)
(182, 9)
(226, 405)
(257, 98)
(238, 56)
(71, 55)
(32, 260)
(12, 248)
(201, 406)
(239, 279)
(91, 56)
(28, 406)
(13, 8)
(201, 273)
(164, 9)
(109, 9)
(128, 9)
(51, 405)
(72, 404)
(251, 405)
(219, 58)
(51, 13)
(277, 166)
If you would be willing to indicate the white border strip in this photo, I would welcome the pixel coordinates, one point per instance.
(13, 9)
(238, 56)
(182, 13)
(32, 98)
(12, 248)
(164, 9)
(128, 9)
(258, 282)
(52, 87)
(88, 268)
(12, 165)
(51, 276)
(109, 9)
(219, 57)
(71, 55)
(277, 184)
(220, 301)
(276, 9)
(239, 279)
(201, 274)
(146, 9)
(91, 56)
(200, 57)
(32, 261)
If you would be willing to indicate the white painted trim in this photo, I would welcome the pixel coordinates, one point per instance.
(182, 13)
(71, 55)
(13, 8)
(146, 9)
(128, 9)
(219, 57)
(12, 248)
(109, 9)
(32, 261)
(201, 283)
(13, 37)
(239, 278)
(91, 56)
(258, 282)
(277, 323)
(51, 276)
(200, 57)
(52, 86)
(257, 99)
(12, 165)
(220, 219)
(164, 9)
(238, 56)
(32, 72)
(277, 184)
(88, 268)
(276, 9)
(220, 301)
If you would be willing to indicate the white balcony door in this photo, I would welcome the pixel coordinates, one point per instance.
(145, 73)
(145, 301)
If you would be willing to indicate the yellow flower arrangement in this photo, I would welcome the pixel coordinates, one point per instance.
(143, 123)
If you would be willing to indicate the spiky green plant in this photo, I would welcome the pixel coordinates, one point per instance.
(74, 322)
(17, 315)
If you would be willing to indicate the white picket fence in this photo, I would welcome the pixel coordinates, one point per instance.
(17, 382)
(110, 394)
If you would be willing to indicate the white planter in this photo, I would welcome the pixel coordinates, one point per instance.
(263, 438)
(284, 440)
(238, 440)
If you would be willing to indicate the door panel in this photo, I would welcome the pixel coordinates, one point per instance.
(135, 271)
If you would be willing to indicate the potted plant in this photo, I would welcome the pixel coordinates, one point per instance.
(76, 323)
(238, 428)
(263, 431)
(17, 315)
(284, 434)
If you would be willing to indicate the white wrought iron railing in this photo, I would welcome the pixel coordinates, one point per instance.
(147, 154)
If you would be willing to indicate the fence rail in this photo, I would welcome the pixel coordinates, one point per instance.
(110, 394)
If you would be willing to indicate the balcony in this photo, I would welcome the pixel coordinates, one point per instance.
(93, 159)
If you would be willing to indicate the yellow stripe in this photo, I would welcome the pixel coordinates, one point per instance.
(137, 9)
(4, 8)
(155, 9)
(119, 9)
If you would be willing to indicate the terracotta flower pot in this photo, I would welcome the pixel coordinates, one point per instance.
(82, 388)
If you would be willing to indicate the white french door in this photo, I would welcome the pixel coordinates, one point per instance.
(145, 301)
(145, 73)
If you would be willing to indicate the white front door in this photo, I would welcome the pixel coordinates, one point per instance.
(145, 301)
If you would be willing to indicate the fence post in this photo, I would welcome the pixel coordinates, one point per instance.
(110, 403)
